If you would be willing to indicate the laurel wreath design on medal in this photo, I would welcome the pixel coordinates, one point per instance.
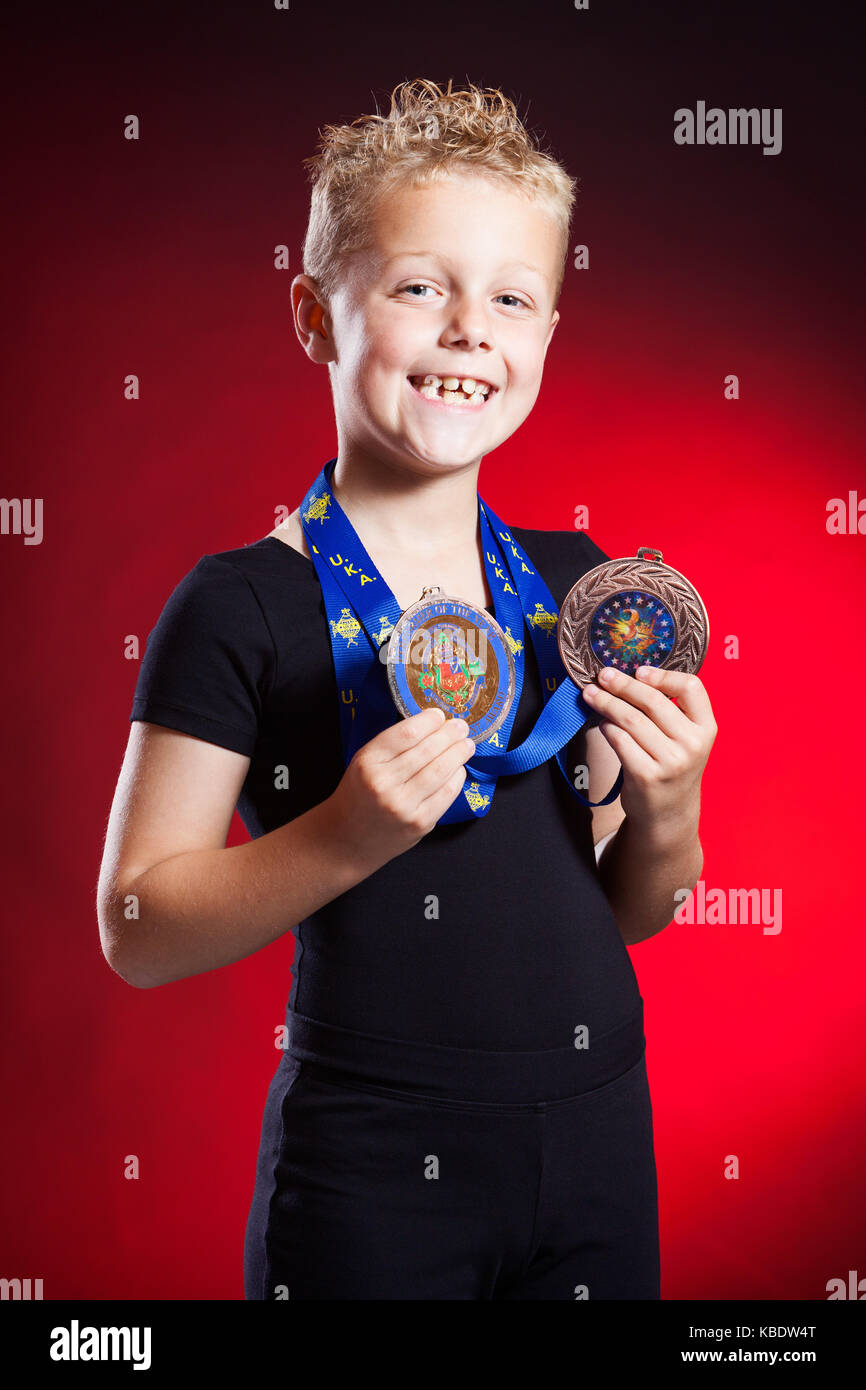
(643, 574)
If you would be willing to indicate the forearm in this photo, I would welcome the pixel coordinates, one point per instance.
(641, 872)
(207, 908)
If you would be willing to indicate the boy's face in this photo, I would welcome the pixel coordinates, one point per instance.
(458, 282)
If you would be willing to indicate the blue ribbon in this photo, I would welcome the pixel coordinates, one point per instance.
(362, 610)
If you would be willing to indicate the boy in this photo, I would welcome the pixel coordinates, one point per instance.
(462, 1110)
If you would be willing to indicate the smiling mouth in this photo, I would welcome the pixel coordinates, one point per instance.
(453, 390)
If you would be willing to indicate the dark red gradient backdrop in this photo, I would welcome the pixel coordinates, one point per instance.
(156, 258)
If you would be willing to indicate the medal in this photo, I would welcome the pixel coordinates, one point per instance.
(632, 612)
(459, 658)
(449, 654)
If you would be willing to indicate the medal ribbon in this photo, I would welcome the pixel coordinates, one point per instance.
(362, 610)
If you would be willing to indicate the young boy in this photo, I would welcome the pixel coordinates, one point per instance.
(462, 1110)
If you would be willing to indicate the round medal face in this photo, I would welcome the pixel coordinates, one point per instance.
(454, 656)
(629, 613)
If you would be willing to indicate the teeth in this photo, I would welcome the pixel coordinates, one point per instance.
(452, 388)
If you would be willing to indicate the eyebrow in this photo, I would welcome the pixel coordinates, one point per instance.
(434, 255)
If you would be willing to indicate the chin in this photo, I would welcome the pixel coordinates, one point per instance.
(447, 455)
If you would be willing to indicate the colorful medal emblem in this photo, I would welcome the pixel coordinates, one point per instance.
(451, 655)
(629, 613)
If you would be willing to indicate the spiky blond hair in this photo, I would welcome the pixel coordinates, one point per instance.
(428, 132)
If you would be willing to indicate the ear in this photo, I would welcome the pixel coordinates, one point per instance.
(311, 319)
(553, 322)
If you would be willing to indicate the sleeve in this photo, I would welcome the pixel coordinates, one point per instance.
(209, 662)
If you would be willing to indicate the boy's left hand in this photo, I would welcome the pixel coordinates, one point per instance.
(663, 747)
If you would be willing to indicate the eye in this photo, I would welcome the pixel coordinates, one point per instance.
(407, 288)
(521, 302)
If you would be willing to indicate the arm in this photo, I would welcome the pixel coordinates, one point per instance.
(173, 901)
(594, 751)
(640, 875)
(199, 904)
(663, 749)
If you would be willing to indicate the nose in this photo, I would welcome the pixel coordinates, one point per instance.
(468, 325)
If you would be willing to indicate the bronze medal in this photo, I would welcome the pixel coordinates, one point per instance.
(628, 613)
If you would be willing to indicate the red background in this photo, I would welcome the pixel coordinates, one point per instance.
(156, 257)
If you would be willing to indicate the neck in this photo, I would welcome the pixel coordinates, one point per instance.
(414, 514)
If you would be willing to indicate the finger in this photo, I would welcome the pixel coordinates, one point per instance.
(633, 720)
(653, 702)
(686, 687)
(431, 779)
(438, 802)
(434, 745)
(405, 734)
(635, 761)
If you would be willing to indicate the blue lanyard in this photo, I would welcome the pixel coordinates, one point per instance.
(362, 610)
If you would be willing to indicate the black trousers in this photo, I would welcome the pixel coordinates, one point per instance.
(395, 1170)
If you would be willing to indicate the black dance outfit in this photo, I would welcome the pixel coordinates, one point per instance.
(437, 1127)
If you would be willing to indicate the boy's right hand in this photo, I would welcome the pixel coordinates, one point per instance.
(398, 785)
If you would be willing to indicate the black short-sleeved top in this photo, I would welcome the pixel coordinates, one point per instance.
(492, 933)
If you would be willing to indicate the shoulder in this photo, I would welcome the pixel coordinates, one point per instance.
(246, 560)
(219, 597)
(571, 546)
(562, 557)
(242, 573)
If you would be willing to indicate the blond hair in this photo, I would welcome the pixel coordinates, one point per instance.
(428, 133)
